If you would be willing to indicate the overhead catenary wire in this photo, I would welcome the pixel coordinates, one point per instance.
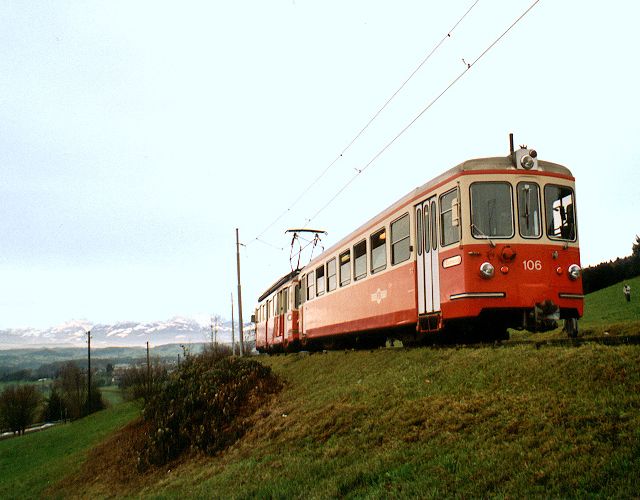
(366, 126)
(468, 67)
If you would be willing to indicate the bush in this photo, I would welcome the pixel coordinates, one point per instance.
(203, 406)
(138, 382)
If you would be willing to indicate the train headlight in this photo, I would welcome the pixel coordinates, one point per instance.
(487, 270)
(527, 162)
(574, 271)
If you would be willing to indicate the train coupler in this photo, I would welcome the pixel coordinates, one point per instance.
(543, 317)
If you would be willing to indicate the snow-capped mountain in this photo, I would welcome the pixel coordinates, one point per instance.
(125, 333)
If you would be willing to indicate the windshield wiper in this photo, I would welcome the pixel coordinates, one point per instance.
(491, 243)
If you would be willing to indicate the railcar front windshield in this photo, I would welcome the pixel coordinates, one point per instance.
(491, 210)
(529, 218)
(560, 212)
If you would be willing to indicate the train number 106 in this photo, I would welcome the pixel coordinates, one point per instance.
(532, 265)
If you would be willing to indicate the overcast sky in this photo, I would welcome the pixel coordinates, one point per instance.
(135, 136)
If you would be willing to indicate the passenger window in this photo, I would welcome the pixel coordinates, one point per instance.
(449, 233)
(400, 242)
(310, 286)
(426, 227)
(320, 280)
(345, 268)
(378, 250)
(560, 213)
(303, 289)
(331, 275)
(360, 260)
(491, 210)
(529, 216)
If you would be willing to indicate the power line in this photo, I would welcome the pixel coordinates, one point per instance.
(422, 112)
(371, 120)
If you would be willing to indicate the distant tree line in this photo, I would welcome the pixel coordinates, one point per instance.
(70, 398)
(595, 278)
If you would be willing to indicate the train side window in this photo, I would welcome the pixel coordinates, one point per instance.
(311, 284)
(360, 260)
(379, 250)
(529, 215)
(560, 212)
(491, 210)
(345, 268)
(303, 289)
(400, 242)
(285, 300)
(331, 275)
(320, 285)
(426, 228)
(449, 233)
(434, 231)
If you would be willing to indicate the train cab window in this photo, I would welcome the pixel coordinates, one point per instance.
(449, 225)
(559, 211)
(400, 243)
(379, 250)
(360, 260)
(529, 215)
(311, 286)
(320, 280)
(491, 210)
(331, 275)
(345, 268)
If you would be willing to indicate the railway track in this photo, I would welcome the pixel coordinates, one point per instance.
(605, 340)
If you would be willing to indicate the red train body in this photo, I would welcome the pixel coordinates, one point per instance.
(488, 245)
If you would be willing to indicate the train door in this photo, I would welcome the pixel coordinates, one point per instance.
(427, 257)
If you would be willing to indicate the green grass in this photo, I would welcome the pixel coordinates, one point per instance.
(29, 464)
(607, 310)
(509, 422)
(515, 422)
(111, 395)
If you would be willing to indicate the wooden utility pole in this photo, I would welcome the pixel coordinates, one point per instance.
(148, 371)
(233, 330)
(239, 295)
(89, 405)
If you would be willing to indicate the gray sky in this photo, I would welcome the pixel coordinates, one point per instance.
(136, 136)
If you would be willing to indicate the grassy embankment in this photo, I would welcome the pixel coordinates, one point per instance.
(515, 421)
(29, 464)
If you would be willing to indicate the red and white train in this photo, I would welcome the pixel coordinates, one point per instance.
(488, 245)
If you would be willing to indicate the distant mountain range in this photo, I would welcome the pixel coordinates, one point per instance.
(122, 334)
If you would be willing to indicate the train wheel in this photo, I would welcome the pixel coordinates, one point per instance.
(571, 327)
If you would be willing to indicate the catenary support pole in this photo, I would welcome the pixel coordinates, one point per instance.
(89, 405)
(233, 330)
(240, 332)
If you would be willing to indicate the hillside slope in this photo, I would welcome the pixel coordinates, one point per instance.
(608, 307)
(514, 422)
